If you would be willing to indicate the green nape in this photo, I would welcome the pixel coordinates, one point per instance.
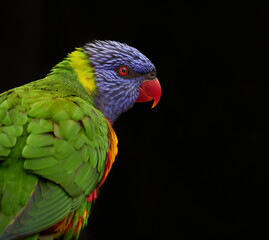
(76, 73)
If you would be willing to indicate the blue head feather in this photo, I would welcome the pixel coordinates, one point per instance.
(116, 93)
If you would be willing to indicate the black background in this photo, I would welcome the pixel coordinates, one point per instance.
(196, 166)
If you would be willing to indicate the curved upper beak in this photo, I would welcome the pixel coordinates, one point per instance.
(150, 90)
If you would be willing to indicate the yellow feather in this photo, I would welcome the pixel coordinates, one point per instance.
(81, 65)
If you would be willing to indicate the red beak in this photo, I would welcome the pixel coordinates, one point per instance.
(150, 90)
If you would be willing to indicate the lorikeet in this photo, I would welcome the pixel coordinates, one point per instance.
(57, 144)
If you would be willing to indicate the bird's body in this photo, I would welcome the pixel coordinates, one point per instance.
(57, 143)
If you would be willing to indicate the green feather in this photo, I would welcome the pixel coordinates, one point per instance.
(53, 151)
(7, 140)
(78, 142)
(40, 140)
(38, 126)
(89, 127)
(4, 152)
(74, 111)
(36, 152)
(69, 129)
(85, 153)
(39, 163)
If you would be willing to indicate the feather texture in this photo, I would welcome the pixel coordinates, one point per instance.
(66, 148)
(57, 144)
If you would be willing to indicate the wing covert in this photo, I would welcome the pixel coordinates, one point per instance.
(68, 143)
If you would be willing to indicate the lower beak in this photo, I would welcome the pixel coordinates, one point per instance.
(150, 90)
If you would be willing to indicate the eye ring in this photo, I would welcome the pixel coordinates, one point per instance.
(152, 75)
(123, 71)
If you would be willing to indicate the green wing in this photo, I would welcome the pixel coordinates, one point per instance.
(60, 139)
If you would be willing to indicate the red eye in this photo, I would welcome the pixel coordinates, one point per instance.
(123, 71)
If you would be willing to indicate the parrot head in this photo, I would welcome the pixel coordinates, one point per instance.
(123, 76)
